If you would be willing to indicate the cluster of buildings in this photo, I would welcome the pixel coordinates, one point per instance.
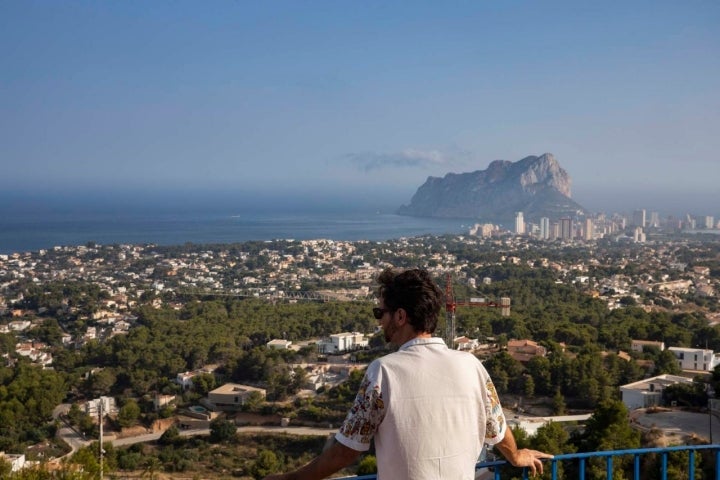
(589, 228)
(40, 353)
(335, 343)
(637, 266)
(230, 397)
(641, 394)
(648, 392)
(129, 275)
(644, 393)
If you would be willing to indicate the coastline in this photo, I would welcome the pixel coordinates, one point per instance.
(36, 232)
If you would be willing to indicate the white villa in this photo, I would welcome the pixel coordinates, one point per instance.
(343, 342)
(648, 393)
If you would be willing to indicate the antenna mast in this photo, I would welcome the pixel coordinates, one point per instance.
(451, 304)
(449, 311)
(100, 413)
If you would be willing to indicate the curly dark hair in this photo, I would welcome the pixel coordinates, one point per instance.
(415, 292)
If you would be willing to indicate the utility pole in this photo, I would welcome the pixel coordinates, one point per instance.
(710, 407)
(710, 420)
(100, 421)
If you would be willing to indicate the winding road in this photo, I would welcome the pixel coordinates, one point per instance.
(76, 441)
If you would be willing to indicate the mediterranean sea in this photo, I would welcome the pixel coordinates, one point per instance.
(35, 231)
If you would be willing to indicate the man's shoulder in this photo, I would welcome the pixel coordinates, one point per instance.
(433, 351)
(464, 356)
(394, 358)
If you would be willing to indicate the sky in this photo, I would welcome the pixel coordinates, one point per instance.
(358, 101)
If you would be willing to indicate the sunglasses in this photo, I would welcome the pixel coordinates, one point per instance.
(379, 312)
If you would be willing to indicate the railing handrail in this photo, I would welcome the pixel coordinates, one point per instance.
(633, 451)
(607, 454)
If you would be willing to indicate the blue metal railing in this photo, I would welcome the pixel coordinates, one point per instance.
(578, 463)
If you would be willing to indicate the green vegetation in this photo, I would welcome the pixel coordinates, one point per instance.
(582, 369)
(28, 396)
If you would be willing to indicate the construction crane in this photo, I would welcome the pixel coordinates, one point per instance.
(451, 304)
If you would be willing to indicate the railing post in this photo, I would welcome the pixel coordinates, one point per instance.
(691, 467)
(717, 464)
(608, 470)
(581, 473)
(663, 473)
(554, 469)
(636, 473)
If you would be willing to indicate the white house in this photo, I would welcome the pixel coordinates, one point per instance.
(695, 358)
(92, 407)
(162, 400)
(279, 344)
(639, 345)
(185, 379)
(466, 344)
(34, 351)
(19, 325)
(232, 396)
(342, 342)
(17, 461)
(648, 393)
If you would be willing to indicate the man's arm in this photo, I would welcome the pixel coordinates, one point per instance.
(331, 460)
(523, 457)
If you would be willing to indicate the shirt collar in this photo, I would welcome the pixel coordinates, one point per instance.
(422, 341)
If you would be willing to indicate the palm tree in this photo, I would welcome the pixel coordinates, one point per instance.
(152, 464)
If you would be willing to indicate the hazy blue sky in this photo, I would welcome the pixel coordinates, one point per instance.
(361, 98)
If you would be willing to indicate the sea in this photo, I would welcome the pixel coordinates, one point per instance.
(27, 232)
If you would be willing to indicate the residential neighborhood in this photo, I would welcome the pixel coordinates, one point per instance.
(669, 271)
(97, 293)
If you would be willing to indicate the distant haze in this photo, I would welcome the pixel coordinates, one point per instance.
(361, 101)
(666, 202)
(372, 200)
(192, 201)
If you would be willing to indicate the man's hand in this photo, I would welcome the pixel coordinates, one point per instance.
(531, 459)
(523, 457)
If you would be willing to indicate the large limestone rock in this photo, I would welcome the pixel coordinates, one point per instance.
(536, 186)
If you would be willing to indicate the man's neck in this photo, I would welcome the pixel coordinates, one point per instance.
(411, 336)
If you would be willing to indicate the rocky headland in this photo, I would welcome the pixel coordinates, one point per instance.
(536, 185)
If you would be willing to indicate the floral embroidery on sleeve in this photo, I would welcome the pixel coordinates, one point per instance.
(495, 418)
(366, 414)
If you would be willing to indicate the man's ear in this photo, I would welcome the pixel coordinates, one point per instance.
(402, 317)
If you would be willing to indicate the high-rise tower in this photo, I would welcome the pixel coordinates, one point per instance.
(544, 228)
(566, 228)
(589, 229)
(638, 219)
(519, 224)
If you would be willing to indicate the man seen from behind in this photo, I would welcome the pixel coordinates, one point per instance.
(430, 409)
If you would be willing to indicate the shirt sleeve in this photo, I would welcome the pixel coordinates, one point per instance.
(495, 418)
(366, 414)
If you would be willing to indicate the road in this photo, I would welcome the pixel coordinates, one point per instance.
(673, 423)
(67, 433)
(151, 437)
(76, 441)
(678, 423)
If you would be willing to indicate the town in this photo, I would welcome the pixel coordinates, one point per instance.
(75, 298)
